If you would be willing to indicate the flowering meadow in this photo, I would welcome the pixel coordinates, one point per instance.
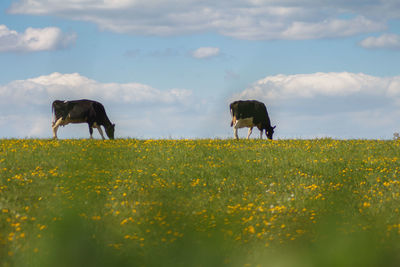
(201, 202)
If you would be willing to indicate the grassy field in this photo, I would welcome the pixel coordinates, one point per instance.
(133, 202)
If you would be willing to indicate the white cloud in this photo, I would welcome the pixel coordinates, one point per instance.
(254, 20)
(25, 106)
(332, 84)
(384, 41)
(332, 28)
(343, 105)
(205, 52)
(33, 39)
(42, 89)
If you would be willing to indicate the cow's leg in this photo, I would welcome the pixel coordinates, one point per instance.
(100, 131)
(249, 133)
(55, 127)
(235, 131)
(261, 133)
(91, 131)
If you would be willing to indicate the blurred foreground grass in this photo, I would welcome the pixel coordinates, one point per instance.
(207, 202)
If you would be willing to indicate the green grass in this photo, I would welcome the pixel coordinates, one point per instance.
(207, 202)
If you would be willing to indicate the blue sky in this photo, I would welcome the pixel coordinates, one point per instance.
(169, 69)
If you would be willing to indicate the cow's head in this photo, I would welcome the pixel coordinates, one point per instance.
(110, 131)
(269, 132)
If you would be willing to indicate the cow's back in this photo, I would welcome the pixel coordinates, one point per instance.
(246, 109)
(75, 110)
(80, 110)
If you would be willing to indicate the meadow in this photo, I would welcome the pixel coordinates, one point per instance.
(205, 202)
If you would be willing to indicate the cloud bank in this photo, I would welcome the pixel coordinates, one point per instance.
(336, 104)
(334, 84)
(344, 105)
(42, 89)
(249, 19)
(26, 105)
(33, 39)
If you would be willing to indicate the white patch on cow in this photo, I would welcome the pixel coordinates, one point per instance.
(242, 123)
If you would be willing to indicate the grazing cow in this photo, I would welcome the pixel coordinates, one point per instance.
(81, 111)
(250, 113)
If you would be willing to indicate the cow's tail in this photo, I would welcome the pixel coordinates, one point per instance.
(53, 112)
(232, 117)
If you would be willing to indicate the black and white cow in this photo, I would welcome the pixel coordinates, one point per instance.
(250, 113)
(81, 111)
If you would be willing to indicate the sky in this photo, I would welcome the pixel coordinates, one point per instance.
(169, 69)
